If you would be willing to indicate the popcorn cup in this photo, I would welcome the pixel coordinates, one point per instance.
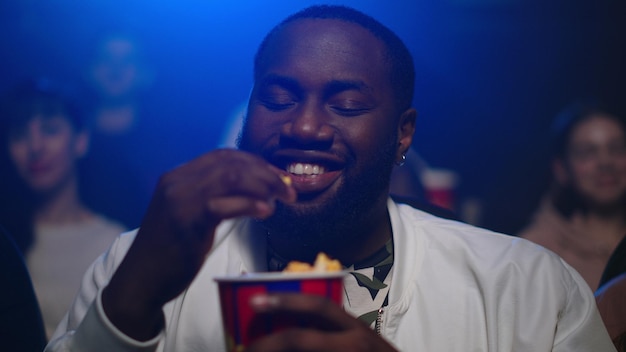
(242, 325)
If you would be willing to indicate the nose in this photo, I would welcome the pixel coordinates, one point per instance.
(308, 127)
(607, 159)
(35, 143)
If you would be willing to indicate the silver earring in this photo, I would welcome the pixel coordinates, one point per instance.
(403, 161)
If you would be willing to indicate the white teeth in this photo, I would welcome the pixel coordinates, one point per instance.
(305, 169)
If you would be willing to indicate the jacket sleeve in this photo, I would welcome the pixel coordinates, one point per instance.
(580, 327)
(85, 327)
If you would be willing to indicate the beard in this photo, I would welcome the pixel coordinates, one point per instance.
(343, 218)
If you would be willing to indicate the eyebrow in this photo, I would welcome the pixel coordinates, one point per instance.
(282, 81)
(331, 88)
(337, 86)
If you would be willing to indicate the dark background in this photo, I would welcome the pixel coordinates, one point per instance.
(491, 74)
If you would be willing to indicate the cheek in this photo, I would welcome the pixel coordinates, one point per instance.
(582, 171)
(19, 155)
(60, 151)
(368, 138)
(257, 132)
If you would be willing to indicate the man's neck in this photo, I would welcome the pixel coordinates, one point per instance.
(376, 234)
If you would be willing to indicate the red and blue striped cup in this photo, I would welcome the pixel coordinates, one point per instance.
(242, 325)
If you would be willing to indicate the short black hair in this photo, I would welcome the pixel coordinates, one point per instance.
(40, 96)
(572, 116)
(401, 60)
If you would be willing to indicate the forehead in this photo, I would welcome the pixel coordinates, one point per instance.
(325, 46)
(39, 121)
(116, 47)
(597, 127)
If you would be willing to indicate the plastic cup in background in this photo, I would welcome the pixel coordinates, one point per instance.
(242, 325)
(440, 186)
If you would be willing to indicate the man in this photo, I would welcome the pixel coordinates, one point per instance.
(330, 107)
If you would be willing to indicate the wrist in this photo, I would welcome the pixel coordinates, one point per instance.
(131, 315)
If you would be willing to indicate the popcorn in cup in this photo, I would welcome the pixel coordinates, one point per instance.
(242, 325)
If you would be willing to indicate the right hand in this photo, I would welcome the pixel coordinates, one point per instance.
(178, 229)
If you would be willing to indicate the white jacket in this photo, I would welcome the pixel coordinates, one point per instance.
(455, 287)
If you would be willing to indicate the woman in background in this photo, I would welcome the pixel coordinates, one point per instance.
(583, 218)
(43, 139)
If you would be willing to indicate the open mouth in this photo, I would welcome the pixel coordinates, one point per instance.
(305, 169)
(311, 172)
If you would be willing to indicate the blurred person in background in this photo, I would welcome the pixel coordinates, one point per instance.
(583, 217)
(117, 78)
(43, 140)
(129, 147)
(140, 128)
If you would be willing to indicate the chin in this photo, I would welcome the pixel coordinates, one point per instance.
(607, 202)
(329, 222)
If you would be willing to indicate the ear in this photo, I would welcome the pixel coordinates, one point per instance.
(406, 128)
(559, 170)
(81, 144)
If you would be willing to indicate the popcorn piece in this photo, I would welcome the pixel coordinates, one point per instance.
(322, 264)
(286, 179)
(295, 266)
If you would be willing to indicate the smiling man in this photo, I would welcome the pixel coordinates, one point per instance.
(331, 110)
(319, 112)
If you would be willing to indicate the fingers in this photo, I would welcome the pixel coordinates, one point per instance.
(359, 338)
(310, 340)
(225, 184)
(230, 173)
(319, 311)
(230, 207)
(328, 326)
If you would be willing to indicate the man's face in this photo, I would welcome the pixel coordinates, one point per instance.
(596, 160)
(322, 109)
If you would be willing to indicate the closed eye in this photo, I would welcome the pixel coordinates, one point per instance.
(345, 104)
(349, 112)
(275, 106)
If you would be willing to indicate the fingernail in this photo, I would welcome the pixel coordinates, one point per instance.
(264, 209)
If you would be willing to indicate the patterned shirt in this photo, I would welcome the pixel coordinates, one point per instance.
(366, 288)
